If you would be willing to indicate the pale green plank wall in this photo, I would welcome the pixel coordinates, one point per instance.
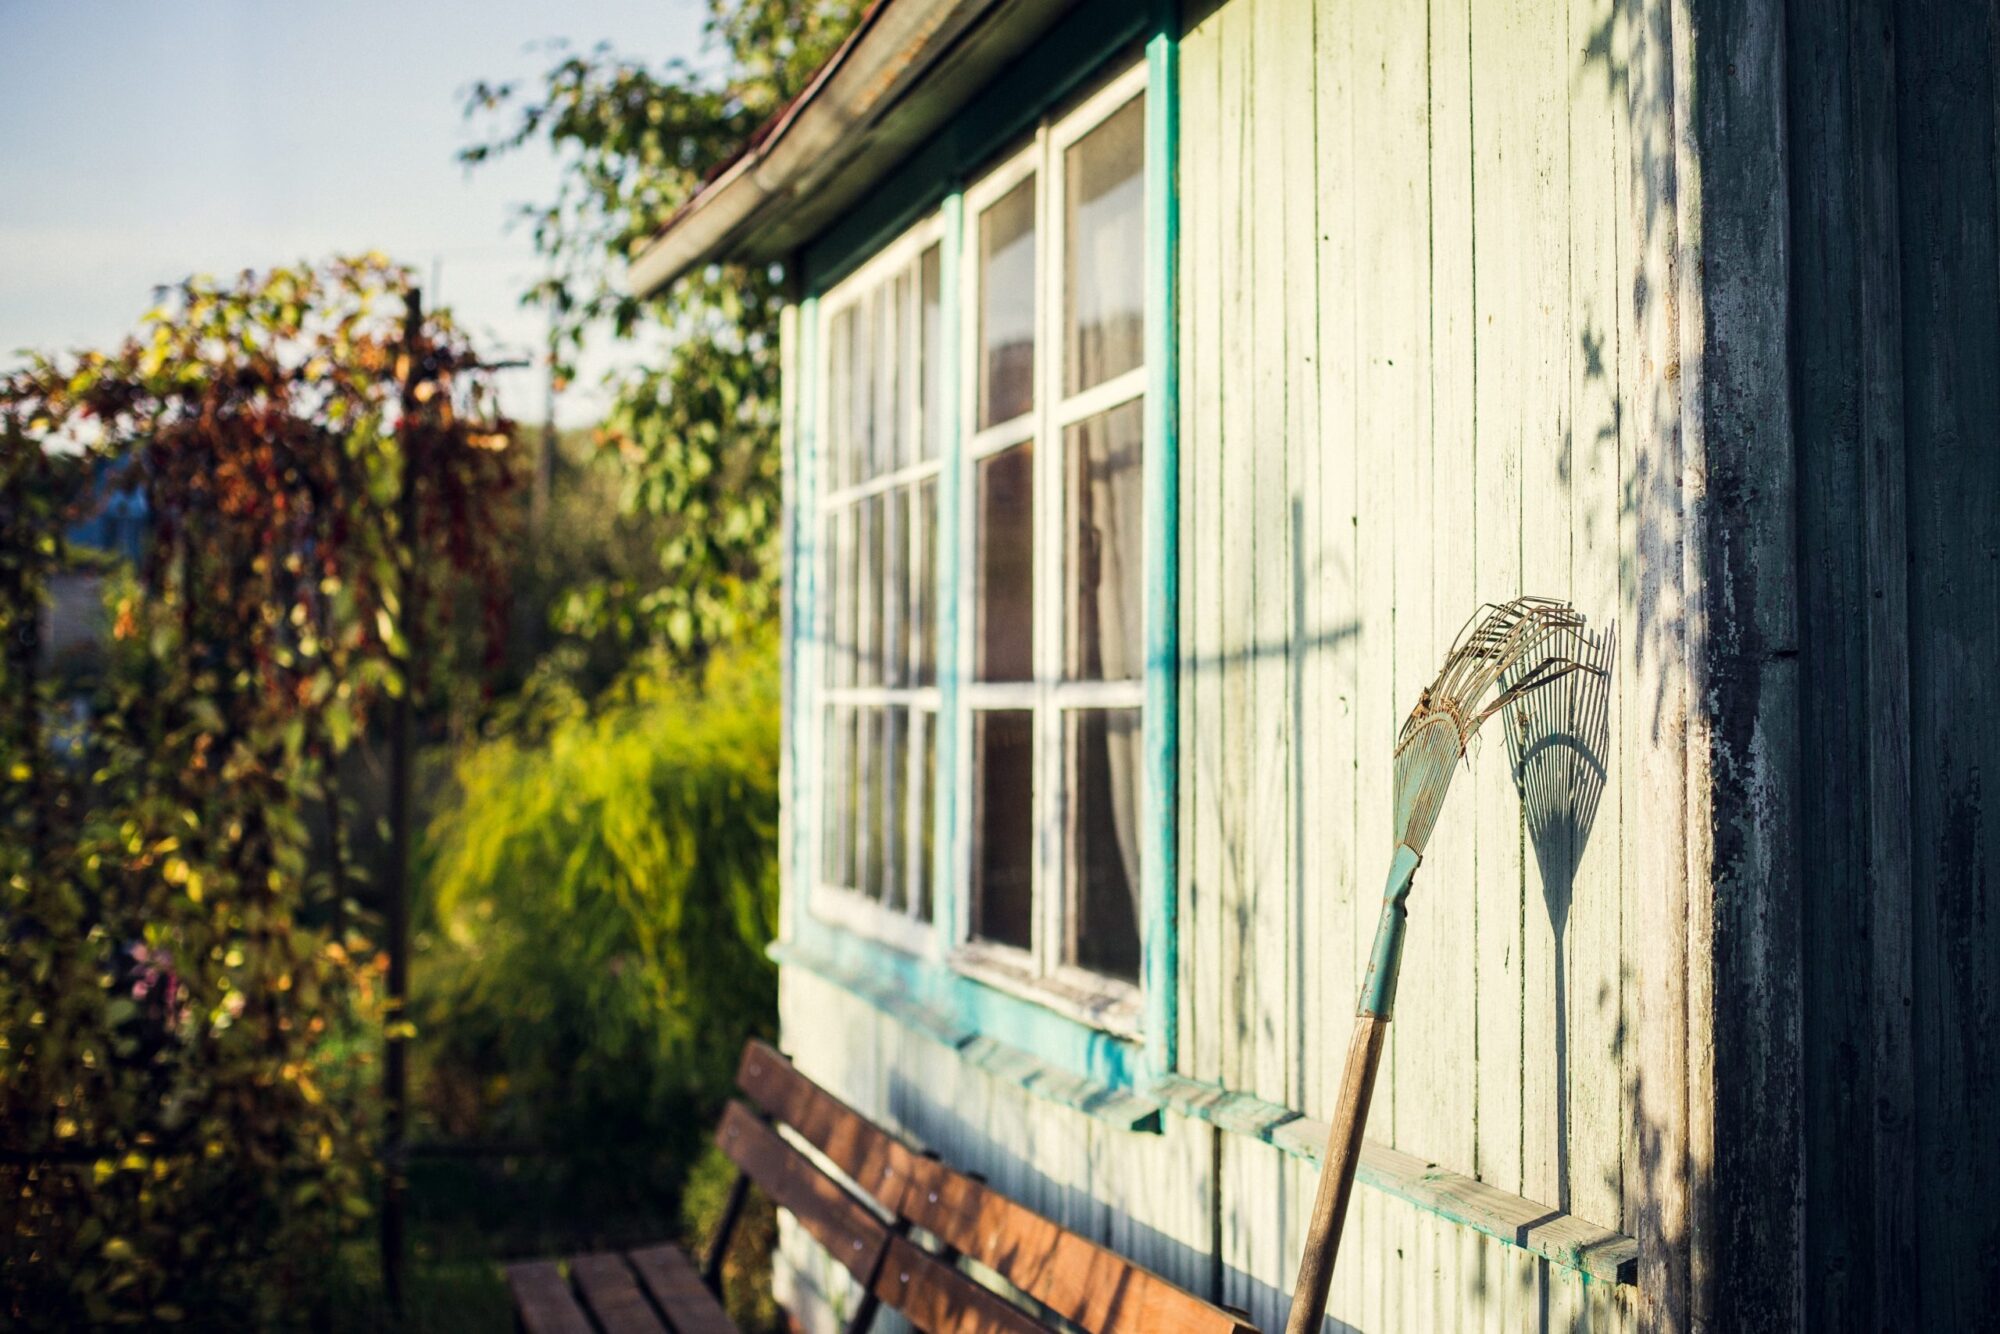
(1420, 368)
(1407, 239)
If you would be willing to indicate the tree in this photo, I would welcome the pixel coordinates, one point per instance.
(186, 1035)
(697, 434)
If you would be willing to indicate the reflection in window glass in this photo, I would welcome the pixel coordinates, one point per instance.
(929, 383)
(1104, 207)
(889, 830)
(869, 735)
(1006, 620)
(1103, 585)
(1103, 756)
(1007, 306)
(925, 741)
(923, 588)
(1003, 830)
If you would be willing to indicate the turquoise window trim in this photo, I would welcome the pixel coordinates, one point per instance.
(1160, 887)
(929, 984)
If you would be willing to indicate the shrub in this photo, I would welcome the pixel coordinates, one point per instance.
(604, 886)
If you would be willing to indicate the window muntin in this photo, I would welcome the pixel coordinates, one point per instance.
(1063, 682)
(878, 514)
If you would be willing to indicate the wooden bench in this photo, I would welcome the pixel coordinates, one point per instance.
(871, 1234)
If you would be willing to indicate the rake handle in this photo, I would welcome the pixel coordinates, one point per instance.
(1336, 1178)
(1357, 1088)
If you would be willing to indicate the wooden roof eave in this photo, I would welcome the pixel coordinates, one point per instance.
(898, 78)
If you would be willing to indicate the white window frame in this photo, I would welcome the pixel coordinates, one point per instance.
(840, 905)
(1039, 973)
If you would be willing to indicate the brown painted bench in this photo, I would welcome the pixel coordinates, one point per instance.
(872, 1235)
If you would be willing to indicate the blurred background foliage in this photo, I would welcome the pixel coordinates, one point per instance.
(190, 1005)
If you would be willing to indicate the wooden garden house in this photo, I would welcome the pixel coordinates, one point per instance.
(1165, 386)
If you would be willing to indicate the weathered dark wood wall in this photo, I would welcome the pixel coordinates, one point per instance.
(1847, 417)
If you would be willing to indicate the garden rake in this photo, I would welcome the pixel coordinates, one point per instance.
(1513, 645)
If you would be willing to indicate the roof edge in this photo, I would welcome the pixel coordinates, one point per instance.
(895, 44)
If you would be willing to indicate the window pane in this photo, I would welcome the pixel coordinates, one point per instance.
(1003, 829)
(909, 362)
(930, 380)
(868, 670)
(849, 787)
(1103, 757)
(1103, 591)
(892, 830)
(1006, 624)
(860, 396)
(832, 868)
(869, 736)
(895, 587)
(1104, 206)
(923, 595)
(889, 379)
(839, 362)
(924, 738)
(1007, 306)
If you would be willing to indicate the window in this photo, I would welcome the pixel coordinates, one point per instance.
(884, 432)
(1055, 450)
(1041, 692)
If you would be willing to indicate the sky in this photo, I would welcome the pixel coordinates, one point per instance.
(145, 140)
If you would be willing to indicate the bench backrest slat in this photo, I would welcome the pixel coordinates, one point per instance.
(851, 1234)
(1073, 1276)
(935, 1296)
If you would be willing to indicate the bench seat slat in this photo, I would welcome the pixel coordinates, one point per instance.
(670, 1276)
(838, 1221)
(612, 1294)
(1083, 1282)
(542, 1296)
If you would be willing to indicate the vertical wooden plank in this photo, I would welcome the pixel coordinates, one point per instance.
(1267, 815)
(1201, 556)
(1536, 59)
(1294, 72)
(1392, 137)
(1652, 674)
(1448, 879)
(1233, 548)
(1508, 291)
(1333, 601)
(1594, 975)
(1948, 64)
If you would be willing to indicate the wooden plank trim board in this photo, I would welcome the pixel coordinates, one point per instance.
(543, 1299)
(613, 1294)
(1120, 1107)
(1539, 1229)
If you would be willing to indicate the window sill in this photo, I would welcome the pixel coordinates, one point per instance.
(1096, 1098)
(1111, 1006)
(1539, 1229)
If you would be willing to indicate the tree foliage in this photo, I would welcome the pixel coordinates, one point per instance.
(186, 1040)
(697, 432)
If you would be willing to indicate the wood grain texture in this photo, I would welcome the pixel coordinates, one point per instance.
(1336, 1179)
(611, 1291)
(669, 1277)
(543, 1300)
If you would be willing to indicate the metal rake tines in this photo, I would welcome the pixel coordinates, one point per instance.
(1498, 637)
(1508, 643)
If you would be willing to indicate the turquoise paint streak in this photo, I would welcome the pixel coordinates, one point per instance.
(951, 482)
(1160, 883)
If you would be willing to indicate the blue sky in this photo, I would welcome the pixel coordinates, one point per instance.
(144, 140)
